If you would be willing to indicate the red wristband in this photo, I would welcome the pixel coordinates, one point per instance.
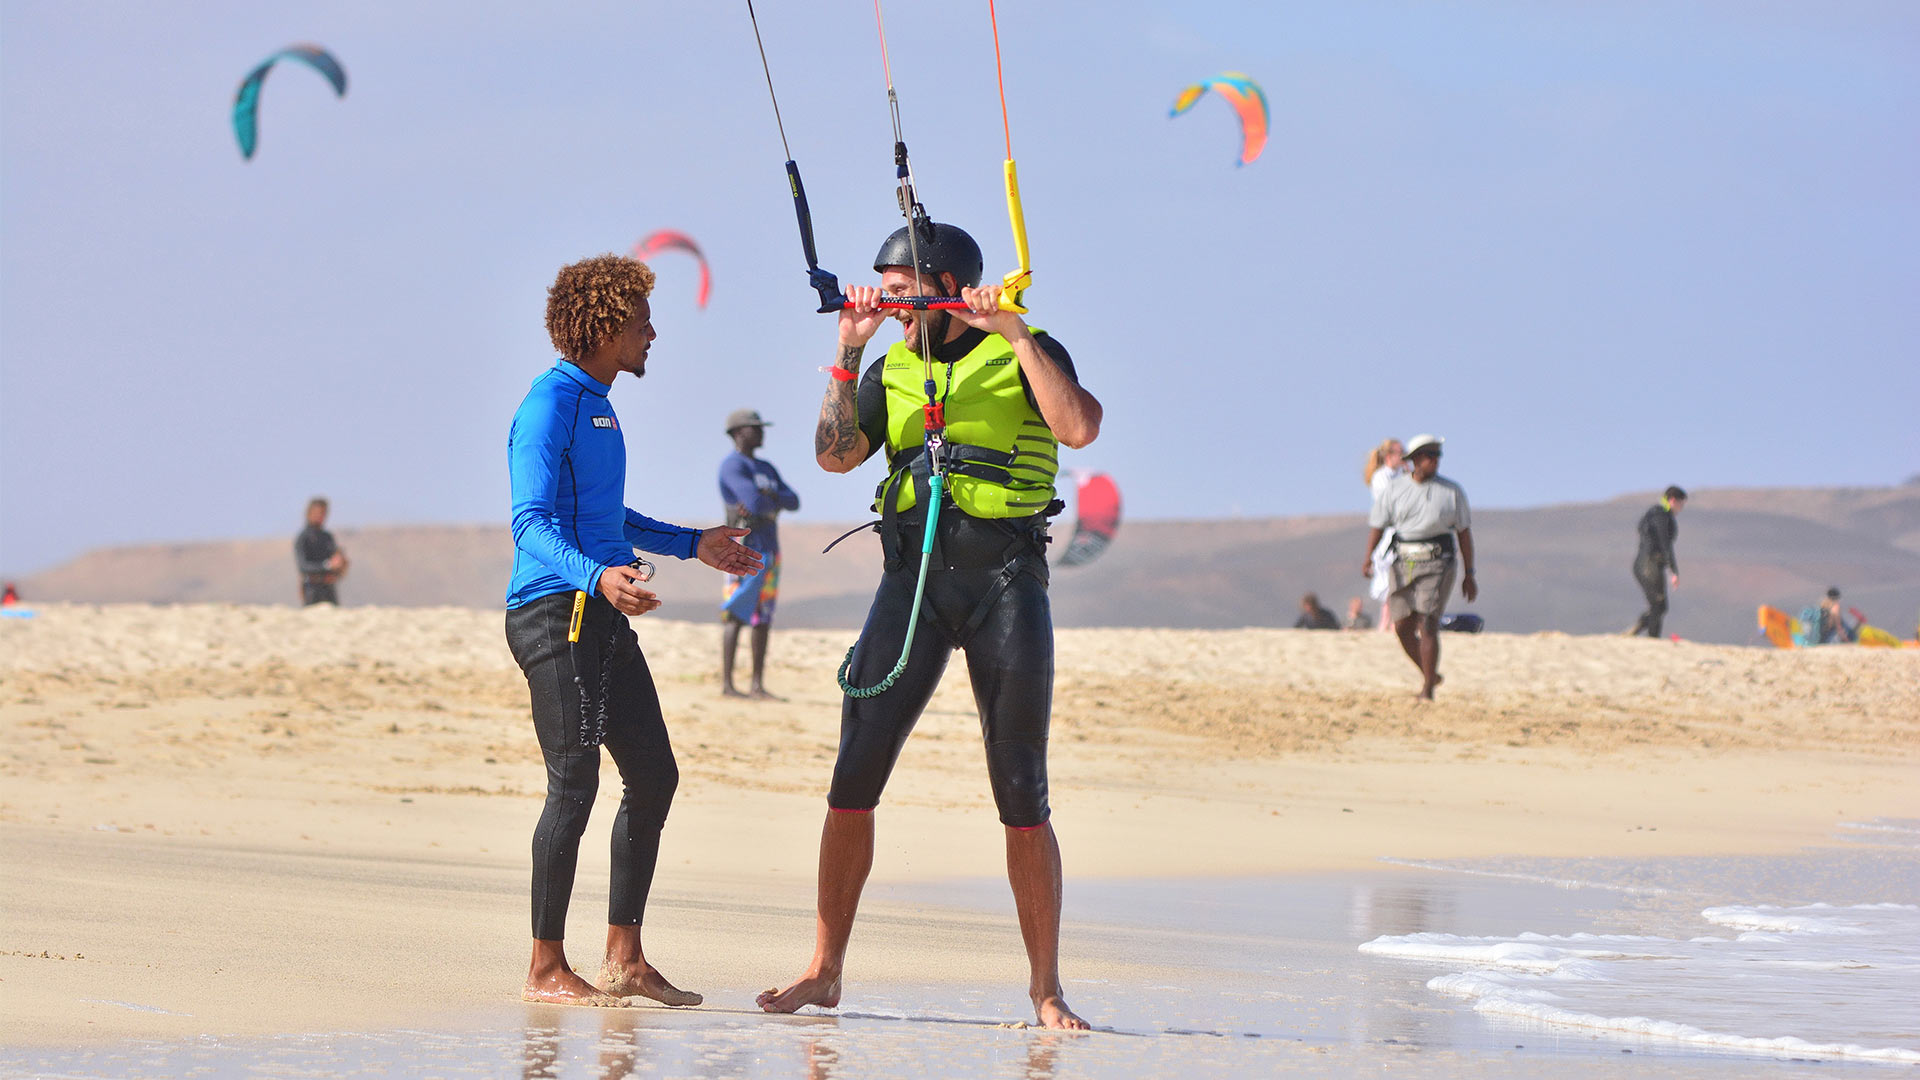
(841, 373)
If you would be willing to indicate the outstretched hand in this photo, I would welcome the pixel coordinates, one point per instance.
(720, 548)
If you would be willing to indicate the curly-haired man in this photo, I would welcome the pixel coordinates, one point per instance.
(589, 683)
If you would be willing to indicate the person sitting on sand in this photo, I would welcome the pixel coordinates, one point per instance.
(1313, 616)
(321, 562)
(1833, 628)
(1011, 397)
(575, 581)
(1357, 617)
(754, 495)
(1426, 512)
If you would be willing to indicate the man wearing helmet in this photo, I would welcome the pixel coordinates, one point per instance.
(1011, 397)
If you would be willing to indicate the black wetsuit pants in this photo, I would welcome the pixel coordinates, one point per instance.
(636, 736)
(1652, 577)
(1009, 661)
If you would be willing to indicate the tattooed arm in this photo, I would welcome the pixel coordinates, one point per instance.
(838, 443)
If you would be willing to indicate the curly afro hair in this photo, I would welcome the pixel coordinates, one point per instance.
(592, 300)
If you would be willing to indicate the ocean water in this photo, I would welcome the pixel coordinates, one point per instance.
(1405, 971)
(1815, 956)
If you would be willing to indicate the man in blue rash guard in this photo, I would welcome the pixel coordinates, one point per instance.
(573, 533)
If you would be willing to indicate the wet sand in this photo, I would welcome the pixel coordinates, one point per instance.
(250, 821)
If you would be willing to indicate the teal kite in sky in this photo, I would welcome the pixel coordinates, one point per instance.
(246, 102)
(1247, 99)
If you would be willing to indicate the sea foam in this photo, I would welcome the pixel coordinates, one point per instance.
(1814, 981)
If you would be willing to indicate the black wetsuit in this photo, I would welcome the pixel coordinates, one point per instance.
(1652, 564)
(311, 550)
(987, 595)
(636, 738)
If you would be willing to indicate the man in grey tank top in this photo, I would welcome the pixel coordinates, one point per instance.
(1432, 540)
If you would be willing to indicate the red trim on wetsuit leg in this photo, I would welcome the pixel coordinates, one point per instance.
(846, 810)
(1030, 828)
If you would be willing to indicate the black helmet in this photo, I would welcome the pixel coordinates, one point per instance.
(944, 249)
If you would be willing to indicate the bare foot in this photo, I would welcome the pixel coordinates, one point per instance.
(1052, 1012)
(567, 988)
(808, 990)
(647, 982)
(760, 693)
(728, 691)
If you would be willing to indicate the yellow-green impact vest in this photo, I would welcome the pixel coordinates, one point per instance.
(986, 408)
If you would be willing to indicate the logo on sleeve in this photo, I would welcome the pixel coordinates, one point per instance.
(606, 422)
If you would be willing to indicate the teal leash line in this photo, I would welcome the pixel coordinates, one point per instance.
(913, 620)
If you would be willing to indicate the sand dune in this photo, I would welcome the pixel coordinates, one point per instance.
(1553, 568)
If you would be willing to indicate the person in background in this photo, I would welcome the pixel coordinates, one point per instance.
(754, 495)
(1429, 517)
(1384, 462)
(322, 564)
(1313, 616)
(1357, 617)
(1654, 566)
(1833, 621)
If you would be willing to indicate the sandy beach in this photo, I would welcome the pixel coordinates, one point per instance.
(237, 821)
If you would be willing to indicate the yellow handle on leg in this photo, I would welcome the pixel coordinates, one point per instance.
(579, 612)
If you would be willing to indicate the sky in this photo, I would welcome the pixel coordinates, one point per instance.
(1600, 245)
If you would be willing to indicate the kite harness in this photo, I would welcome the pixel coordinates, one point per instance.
(919, 226)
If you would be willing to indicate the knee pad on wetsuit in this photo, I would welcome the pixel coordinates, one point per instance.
(1018, 773)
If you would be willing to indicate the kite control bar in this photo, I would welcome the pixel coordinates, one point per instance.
(916, 303)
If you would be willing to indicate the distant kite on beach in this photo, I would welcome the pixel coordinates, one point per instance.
(669, 240)
(246, 103)
(1096, 518)
(1247, 99)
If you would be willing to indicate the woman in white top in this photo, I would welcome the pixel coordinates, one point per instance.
(1384, 462)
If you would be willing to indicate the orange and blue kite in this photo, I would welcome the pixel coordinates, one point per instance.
(1247, 99)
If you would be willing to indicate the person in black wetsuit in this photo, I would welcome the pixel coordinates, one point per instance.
(1011, 397)
(1654, 566)
(320, 560)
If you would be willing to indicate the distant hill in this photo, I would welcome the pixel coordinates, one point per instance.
(1552, 568)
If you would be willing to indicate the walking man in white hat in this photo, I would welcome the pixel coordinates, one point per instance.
(1432, 543)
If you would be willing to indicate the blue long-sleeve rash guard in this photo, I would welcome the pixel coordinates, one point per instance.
(567, 462)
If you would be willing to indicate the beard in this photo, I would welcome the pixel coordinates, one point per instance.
(938, 323)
